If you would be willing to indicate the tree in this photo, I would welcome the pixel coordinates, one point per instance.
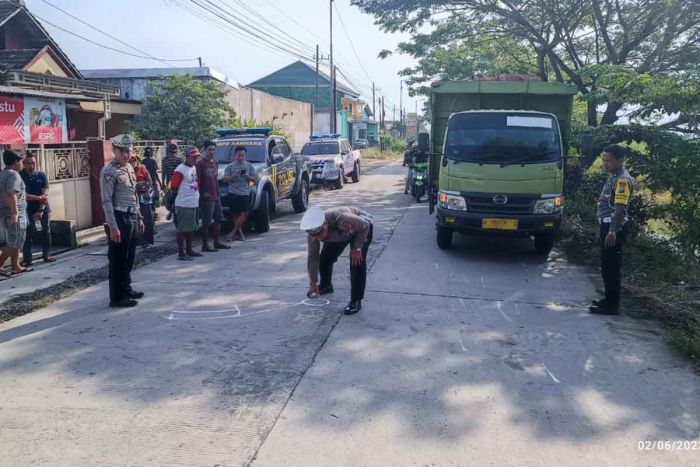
(183, 108)
(565, 37)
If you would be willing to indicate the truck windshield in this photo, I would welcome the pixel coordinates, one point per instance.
(498, 138)
(255, 151)
(315, 149)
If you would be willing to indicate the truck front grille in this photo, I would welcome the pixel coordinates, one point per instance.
(515, 205)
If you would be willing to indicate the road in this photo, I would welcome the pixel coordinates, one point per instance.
(480, 355)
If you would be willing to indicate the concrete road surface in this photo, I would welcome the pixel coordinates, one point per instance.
(479, 356)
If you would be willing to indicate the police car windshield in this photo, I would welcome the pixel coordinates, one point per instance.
(500, 138)
(315, 149)
(255, 151)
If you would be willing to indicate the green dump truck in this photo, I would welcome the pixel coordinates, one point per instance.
(497, 158)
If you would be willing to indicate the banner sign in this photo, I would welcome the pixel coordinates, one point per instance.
(35, 120)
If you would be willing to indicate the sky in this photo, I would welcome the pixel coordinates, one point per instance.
(163, 29)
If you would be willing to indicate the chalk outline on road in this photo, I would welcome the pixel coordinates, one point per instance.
(236, 311)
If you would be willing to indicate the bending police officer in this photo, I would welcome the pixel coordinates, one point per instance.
(337, 228)
(123, 219)
(613, 220)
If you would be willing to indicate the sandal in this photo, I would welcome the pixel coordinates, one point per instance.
(209, 250)
(222, 247)
(21, 271)
(6, 274)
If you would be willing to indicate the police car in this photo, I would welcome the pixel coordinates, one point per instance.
(281, 175)
(332, 160)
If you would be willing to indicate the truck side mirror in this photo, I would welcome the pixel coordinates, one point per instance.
(424, 142)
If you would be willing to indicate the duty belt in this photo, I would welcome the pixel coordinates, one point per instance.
(606, 220)
(126, 209)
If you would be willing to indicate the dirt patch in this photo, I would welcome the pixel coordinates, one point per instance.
(31, 301)
(657, 284)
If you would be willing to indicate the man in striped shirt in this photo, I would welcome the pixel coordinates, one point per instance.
(171, 161)
(13, 212)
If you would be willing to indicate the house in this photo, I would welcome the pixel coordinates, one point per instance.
(38, 80)
(299, 81)
(293, 117)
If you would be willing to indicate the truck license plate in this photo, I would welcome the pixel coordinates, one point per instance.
(499, 224)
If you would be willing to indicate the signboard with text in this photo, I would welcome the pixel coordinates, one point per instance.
(36, 120)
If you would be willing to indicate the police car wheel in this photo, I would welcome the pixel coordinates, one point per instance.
(341, 179)
(262, 214)
(300, 201)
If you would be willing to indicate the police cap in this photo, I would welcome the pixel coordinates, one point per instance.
(123, 142)
(313, 220)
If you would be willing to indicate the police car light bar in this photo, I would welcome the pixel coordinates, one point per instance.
(243, 131)
(326, 136)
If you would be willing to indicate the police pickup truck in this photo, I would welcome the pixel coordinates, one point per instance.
(281, 175)
(332, 160)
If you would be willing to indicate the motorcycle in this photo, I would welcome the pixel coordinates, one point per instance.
(417, 180)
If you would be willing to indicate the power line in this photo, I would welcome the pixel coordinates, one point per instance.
(162, 60)
(347, 35)
(266, 38)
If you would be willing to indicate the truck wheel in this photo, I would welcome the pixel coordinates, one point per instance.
(341, 179)
(262, 215)
(356, 173)
(444, 238)
(300, 200)
(544, 244)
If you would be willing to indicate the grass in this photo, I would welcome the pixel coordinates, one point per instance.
(657, 283)
(374, 154)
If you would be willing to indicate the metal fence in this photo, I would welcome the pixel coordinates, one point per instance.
(60, 162)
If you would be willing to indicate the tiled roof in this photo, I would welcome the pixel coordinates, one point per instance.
(6, 9)
(16, 60)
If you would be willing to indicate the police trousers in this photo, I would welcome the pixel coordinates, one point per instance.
(330, 253)
(611, 265)
(121, 255)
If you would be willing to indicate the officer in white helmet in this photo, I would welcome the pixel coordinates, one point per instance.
(337, 228)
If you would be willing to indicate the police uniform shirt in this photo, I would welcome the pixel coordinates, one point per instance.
(614, 199)
(118, 190)
(344, 224)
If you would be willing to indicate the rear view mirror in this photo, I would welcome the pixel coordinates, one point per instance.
(424, 142)
(277, 158)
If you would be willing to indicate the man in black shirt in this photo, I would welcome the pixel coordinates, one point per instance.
(38, 210)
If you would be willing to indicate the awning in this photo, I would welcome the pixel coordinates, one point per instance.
(33, 92)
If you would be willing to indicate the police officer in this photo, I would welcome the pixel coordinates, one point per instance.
(123, 219)
(337, 228)
(613, 220)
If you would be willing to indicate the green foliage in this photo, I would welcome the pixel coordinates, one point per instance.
(393, 143)
(185, 109)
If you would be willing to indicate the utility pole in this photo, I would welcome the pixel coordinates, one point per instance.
(401, 109)
(393, 119)
(318, 91)
(200, 61)
(374, 110)
(333, 94)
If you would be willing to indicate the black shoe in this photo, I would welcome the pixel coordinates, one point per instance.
(124, 303)
(325, 290)
(353, 307)
(133, 294)
(600, 303)
(604, 310)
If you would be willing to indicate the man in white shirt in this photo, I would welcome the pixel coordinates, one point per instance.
(186, 204)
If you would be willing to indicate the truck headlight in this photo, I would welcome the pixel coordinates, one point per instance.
(453, 201)
(547, 206)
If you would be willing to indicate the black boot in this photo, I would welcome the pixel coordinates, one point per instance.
(133, 294)
(353, 307)
(600, 303)
(604, 310)
(325, 290)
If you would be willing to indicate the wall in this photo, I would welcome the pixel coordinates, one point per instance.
(46, 64)
(322, 122)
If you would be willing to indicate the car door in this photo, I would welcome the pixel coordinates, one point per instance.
(283, 170)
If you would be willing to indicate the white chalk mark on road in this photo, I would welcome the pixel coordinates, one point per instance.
(517, 310)
(464, 349)
(500, 308)
(196, 314)
(436, 266)
(551, 375)
(464, 304)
